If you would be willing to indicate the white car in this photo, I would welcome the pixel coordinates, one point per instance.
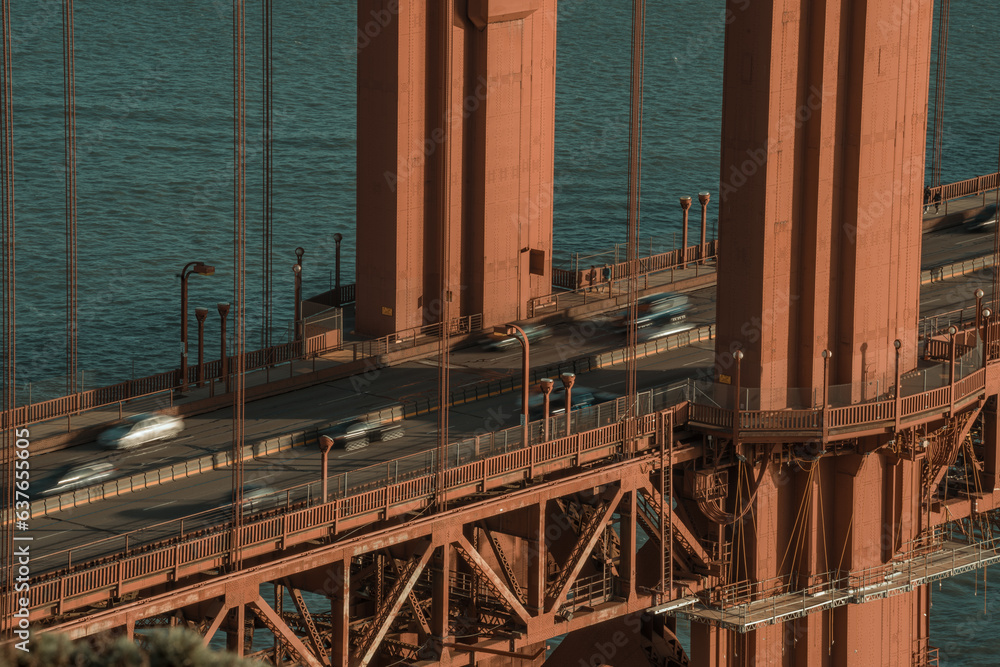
(140, 430)
(82, 475)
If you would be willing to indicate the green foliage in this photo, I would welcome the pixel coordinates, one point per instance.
(176, 647)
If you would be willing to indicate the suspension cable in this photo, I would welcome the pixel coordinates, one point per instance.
(268, 105)
(239, 268)
(69, 131)
(634, 183)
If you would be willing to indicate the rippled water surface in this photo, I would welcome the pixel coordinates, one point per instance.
(155, 181)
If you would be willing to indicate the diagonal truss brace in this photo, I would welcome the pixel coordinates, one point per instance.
(418, 611)
(214, 627)
(314, 638)
(508, 571)
(475, 561)
(590, 532)
(388, 608)
(683, 535)
(277, 625)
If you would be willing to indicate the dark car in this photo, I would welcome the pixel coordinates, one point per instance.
(496, 342)
(984, 221)
(358, 433)
(80, 476)
(657, 310)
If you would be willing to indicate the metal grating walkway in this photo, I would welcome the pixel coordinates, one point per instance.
(852, 588)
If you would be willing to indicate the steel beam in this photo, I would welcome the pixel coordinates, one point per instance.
(476, 561)
(276, 625)
(588, 537)
(307, 619)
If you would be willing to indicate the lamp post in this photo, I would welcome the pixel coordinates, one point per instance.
(738, 356)
(337, 238)
(568, 379)
(224, 361)
(297, 269)
(201, 269)
(545, 385)
(704, 198)
(325, 444)
(951, 372)
(827, 355)
(987, 313)
(685, 205)
(200, 314)
(898, 344)
(979, 308)
(511, 330)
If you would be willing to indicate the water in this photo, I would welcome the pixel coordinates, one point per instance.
(155, 175)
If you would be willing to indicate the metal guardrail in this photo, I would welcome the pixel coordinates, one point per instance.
(970, 186)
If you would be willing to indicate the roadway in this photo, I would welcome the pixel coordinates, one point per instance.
(349, 397)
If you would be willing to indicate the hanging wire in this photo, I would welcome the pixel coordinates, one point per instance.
(7, 603)
(69, 132)
(268, 104)
(634, 183)
(942, 64)
(444, 351)
(239, 269)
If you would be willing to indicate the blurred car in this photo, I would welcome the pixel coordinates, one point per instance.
(657, 330)
(656, 309)
(582, 397)
(81, 475)
(984, 221)
(497, 342)
(141, 430)
(259, 496)
(358, 433)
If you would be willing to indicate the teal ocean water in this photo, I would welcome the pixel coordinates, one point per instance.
(155, 181)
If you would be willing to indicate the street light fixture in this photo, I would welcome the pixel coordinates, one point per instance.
(704, 198)
(738, 356)
(987, 313)
(337, 238)
(545, 385)
(325, 444)
(512, 330)
(201, 269)
(200, 314)
(685, 205)
(297, 270)
(898, 344)
(979, 308)
(224, 361)
(568, 379)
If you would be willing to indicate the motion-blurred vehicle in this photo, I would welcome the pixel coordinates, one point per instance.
(984, 221)
(583, 397)
(497, 342)
(81, 475)
(657, 310)
(141, 430)
(357, 433)
(258, 496)
(657, 330)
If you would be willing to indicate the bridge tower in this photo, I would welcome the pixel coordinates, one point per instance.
(823, 143)
(463, 140)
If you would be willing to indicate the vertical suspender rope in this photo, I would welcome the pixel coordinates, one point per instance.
(7, 606)
(942, 64)
(268, 104)
(634, 182)
(239, 267)
(69, 130)
(444, 359)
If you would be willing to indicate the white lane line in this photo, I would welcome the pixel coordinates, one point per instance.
(160, 505)
(50, 535)
(930, 300)
(692, 363)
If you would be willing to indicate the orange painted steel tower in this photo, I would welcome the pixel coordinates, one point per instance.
(823, 140)
(464, 139)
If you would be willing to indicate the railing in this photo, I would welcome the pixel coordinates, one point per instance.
(255, 361)
(413, 336)
(970, 186)
(581, 283)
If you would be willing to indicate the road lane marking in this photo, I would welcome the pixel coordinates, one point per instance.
(160, 505)
(696, 361)
(50, 535)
